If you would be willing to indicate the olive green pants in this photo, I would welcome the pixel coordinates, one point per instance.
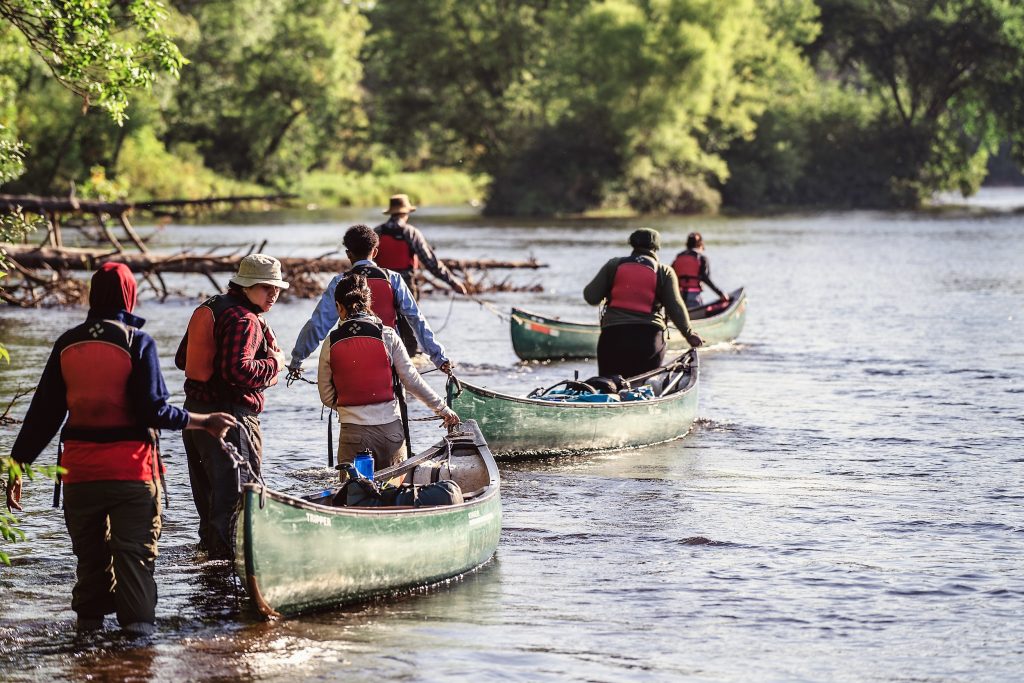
(386, 442)
(214, 479)
(114, 528)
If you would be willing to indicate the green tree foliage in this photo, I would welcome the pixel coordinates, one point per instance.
(98, 49)
(942, 70)
(59, 57)
(274, 85)
(571, 105)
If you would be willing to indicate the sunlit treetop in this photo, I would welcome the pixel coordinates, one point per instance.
(99, 49)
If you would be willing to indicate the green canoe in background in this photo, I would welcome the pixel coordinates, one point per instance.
(295, 555)
(517, 426)
(535, 337)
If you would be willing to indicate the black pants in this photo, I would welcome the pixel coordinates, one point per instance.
(114, 528)
(213, 478)
(630, 350)
(405, 330)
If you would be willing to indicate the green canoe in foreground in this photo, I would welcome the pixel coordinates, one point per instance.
(530, 427)
(535, 337)
(295, 555)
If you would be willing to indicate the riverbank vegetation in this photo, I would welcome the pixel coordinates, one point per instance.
(535, 107)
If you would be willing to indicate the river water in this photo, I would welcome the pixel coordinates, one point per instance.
(847, 507)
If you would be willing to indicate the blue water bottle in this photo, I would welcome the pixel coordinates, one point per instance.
(364, 464)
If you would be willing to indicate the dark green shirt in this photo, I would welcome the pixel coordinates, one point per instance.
(600, 288)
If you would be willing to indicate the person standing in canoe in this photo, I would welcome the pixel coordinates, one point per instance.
(104, 377)
(403, 249)
(691, 268)
(393, 303)
(638, 292)
(230, 356)
(362, 362)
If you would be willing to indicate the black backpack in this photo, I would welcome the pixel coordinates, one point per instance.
(359, 491)
(439, 493)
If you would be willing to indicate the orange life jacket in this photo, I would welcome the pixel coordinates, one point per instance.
(383, 300)
(361, 368)
(394, 251)
(687, 267)
(102, 437)
(635, 285)
(199, 342)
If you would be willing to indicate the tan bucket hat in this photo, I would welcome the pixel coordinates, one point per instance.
(399, 204)
(259, 269)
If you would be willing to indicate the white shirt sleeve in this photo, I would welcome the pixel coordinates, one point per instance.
(408, 374)
(324, 380)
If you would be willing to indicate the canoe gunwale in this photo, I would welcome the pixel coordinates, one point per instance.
(492, 489)
(691, 383)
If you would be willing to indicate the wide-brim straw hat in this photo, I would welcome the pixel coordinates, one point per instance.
(399, 204)
(259, 269)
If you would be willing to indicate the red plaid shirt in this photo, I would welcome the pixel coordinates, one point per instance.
(242, 365)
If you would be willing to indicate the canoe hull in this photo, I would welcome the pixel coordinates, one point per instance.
(296, 556)
(535, 337)
(521, 427)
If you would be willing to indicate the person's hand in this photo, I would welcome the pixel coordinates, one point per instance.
(218, 424)
(14, 493)
(694, 340)
(294, 372)
(278, 355)
(449, 419)
(446, 367)
(460, 287)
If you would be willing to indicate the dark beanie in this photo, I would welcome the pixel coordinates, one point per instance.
(111, 291)
(645, 238)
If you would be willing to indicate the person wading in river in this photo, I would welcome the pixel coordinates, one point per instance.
(230, 357)
(403, 249)
(638, 292)
(393, 303)
(361, 363)
(691, 268)
(104, 377)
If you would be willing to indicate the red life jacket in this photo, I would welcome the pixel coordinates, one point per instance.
(384, 303)
(687, 267)
(635, 285)
(199, 344)
(394, 251)
(102, 438)
(361, 369)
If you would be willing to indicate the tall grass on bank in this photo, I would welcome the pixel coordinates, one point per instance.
(446, 187)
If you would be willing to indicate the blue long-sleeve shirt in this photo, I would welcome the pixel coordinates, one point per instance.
(325, 317)
(146, 388)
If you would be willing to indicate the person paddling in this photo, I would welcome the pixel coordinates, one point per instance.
(638, 292)
(393, 303)
(691, 267)
(404, 249)
(229, 356)
(361, 364)
(104, 377)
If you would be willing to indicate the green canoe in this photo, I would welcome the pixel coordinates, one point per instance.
(530, 426)
(535, 337)
(294, 554)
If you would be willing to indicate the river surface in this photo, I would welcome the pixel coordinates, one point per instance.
(847, 507)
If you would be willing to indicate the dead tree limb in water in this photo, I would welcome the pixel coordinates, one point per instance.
(305, 274)
(5, 418)
(69, 258)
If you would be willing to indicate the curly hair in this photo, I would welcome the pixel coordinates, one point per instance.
(353, 293)
(360, 240)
